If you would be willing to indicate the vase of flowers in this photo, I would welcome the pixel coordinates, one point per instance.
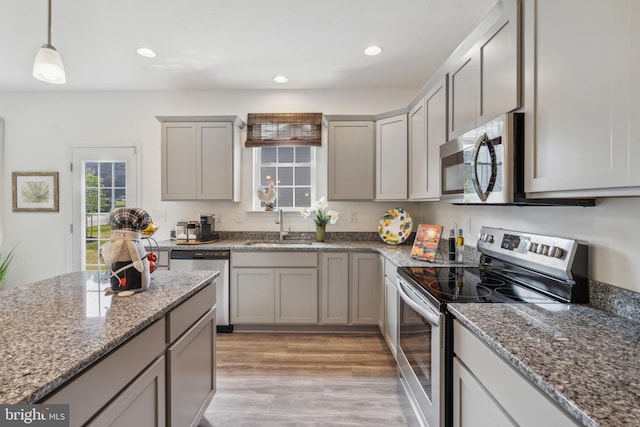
(321, 216)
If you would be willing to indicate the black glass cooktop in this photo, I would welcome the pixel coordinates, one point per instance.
(467, 284)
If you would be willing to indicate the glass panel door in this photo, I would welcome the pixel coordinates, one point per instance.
(104, 179)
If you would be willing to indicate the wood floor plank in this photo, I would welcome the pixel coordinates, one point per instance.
(297, 379)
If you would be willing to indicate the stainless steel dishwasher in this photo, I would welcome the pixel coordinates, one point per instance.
(191, 260)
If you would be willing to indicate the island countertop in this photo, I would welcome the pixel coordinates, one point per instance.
(54, 329)
(583, 358)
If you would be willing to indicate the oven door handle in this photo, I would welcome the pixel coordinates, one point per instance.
(425, 311)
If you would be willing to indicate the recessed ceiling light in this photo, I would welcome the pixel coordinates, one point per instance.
(280, 79)
(373, 50)
(146, 52)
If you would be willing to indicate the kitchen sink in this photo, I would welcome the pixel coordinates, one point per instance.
(277, 242)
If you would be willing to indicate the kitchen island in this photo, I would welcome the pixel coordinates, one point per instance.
(59, 330)
(584, 360)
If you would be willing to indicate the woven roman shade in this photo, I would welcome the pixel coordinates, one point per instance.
(272, 129)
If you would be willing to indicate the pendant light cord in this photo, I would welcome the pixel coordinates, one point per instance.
(49, 26)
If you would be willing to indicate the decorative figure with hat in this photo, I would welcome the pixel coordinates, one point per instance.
(124, 254)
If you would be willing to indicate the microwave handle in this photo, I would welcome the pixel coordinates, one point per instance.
(484, 140)
(425, 311)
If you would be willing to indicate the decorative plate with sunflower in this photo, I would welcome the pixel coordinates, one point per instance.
(395, 226)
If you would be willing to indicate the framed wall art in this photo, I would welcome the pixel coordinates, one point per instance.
(35, 191)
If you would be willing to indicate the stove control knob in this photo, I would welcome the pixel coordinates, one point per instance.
(556, 252)
(489, 238)
(533, 247)
(545, 250)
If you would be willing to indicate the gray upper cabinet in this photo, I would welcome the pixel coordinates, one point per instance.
(351, 160)
(427, 131)
(581, 92)
(485, 82)
(201, 158)
(391, 158)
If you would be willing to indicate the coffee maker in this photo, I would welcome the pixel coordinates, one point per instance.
(207, 226)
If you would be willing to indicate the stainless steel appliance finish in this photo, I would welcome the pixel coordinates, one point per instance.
(486, 166)
(421, 354)
(191, 260)
(515, 267)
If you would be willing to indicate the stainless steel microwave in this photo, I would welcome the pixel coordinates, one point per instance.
(486, 166)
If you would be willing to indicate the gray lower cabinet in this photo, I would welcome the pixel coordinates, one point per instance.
(274, 288)
(334, 285)
(365, 288)
(191, 372)
(163, 376)
(391, 307)
(135, 404)
(484, 383)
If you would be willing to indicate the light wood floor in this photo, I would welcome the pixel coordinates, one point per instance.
(293, 379)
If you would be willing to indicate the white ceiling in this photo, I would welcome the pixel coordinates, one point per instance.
(234, 44)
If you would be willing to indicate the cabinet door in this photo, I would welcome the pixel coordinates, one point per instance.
(365, 288)
(215, 161)
(462, 95)
(418, 151)
(334, 288)
(141, 404)
(581, 69)
(191, 372)
(296, 295)
(499, 66)
(391, 315)
(351, 160)
(473, 406)
(179, 164)
(252, 295)
(391, 158)
(436, 105)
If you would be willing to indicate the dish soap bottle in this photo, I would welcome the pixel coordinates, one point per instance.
(452, 245)
(460, 247)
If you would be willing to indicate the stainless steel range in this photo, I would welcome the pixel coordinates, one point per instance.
(515, 267)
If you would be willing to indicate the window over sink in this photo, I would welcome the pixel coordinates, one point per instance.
(292, 171)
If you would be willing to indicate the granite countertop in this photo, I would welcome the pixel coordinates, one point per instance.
(400, 255)
(583, 358)
(55, 328)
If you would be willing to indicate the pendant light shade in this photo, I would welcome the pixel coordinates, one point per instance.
(48, 65)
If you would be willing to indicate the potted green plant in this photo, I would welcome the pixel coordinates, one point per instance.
(5, 262)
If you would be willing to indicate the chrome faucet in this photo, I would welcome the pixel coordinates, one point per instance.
(279, 221)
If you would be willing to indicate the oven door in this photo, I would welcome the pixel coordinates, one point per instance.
(421, 355)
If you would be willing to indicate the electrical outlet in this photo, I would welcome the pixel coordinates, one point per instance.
(467, 225)
(353, 217)
(239, 216)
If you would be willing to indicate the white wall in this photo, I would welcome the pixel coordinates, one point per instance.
(611, 228)
(41, 128)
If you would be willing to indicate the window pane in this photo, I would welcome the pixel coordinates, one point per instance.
(285, 175)
(106, 174)
(303, 175)
(120, 197)
(106, 202)
(303, 197)
(303, 154)
(269, 154)
(285, 154)
(285, 197)
(91, 174)
(120, 174)
(267, 173)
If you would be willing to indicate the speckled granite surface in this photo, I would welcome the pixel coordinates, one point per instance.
(585, 359)
(53, 329)
(400, 255)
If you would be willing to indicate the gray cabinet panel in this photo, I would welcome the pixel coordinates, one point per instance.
(191, 372)
(141, 404)
(351, 160)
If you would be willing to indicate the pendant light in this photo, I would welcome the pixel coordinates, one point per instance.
(48, 64)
